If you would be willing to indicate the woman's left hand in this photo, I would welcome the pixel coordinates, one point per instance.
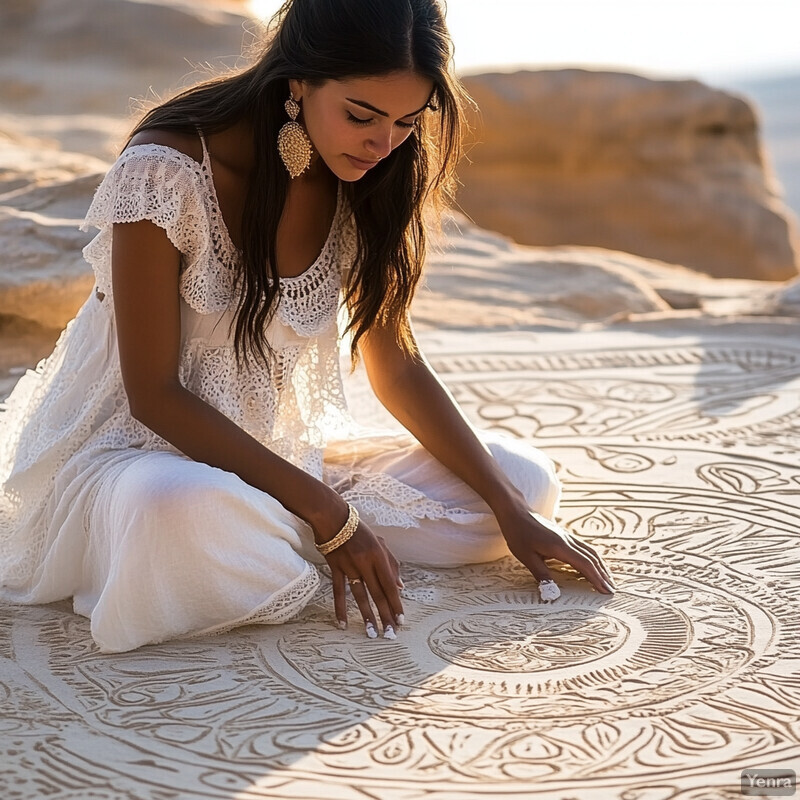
(368, 567)
(532, 538)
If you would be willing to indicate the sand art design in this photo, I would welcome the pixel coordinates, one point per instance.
(689, 481)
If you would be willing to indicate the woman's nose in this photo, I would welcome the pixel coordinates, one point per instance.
(381, 145)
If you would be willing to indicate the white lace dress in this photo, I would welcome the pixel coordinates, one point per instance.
(152, 545)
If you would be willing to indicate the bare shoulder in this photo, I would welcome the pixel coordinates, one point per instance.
(188, 144)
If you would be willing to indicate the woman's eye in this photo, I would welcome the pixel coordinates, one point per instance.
(358, 121)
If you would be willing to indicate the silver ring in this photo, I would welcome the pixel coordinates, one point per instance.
(351, 581)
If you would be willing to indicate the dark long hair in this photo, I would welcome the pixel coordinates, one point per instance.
(317, 41)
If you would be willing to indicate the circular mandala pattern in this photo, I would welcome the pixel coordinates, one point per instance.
(528, 640)
(655, 642)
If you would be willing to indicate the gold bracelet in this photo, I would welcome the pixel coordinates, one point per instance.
(344, 534)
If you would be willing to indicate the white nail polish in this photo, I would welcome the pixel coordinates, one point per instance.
(371, 632)
(401, 619)
(342, 624)
(388, 632)
(548, 591)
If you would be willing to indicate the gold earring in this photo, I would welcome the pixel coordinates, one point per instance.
(294, 145)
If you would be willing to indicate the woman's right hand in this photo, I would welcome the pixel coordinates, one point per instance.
(366, 563)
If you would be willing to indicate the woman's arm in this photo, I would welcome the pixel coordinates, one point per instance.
(145, 268)
(411, 391)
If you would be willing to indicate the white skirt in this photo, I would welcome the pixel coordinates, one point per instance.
(154, 546)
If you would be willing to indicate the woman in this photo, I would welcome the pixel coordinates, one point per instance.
(185, 455)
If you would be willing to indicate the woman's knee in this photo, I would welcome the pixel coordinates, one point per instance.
(175, 497)
(528, 469)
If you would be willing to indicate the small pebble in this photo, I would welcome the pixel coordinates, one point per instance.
(549, 591)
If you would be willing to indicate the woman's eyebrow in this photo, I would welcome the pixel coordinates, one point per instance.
(383, 113)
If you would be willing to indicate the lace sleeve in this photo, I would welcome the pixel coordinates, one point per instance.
(156, 183)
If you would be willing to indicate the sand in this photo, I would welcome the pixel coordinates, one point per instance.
(678, 447)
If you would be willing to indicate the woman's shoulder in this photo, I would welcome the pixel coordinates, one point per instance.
(189, 144)
(159, 176)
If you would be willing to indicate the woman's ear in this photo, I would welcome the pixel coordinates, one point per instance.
(296, 88)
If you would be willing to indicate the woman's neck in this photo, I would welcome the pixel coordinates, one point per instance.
(234, 148)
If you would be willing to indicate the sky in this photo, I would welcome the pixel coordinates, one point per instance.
(707, 39)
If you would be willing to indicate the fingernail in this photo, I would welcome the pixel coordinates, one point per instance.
(401, 619)
(388, 632)
(371, 632)
(610, 588)
(342, 624)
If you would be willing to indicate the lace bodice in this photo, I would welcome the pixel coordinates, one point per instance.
(287, 403)
(160, 184)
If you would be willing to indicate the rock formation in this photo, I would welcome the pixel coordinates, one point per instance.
(44, 196)
(93, 56)
(668, 169)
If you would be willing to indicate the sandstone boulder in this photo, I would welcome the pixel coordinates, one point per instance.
(668, 169)
(44, 195)
(92, 56)
(479, 279)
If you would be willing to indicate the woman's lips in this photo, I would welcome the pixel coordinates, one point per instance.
(359, 164)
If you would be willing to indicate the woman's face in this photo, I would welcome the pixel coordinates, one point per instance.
(355, 123)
